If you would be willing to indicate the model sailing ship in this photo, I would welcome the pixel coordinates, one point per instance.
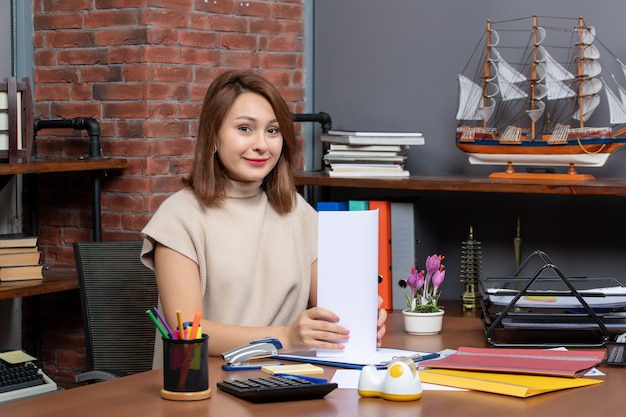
(537, 111)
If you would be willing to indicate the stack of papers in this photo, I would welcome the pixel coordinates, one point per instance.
(547, 362)
(516, 372)
(368, 154)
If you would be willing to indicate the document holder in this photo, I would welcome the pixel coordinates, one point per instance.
(552, 310)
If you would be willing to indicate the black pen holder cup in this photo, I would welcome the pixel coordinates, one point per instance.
(615, 354)
(186, 369)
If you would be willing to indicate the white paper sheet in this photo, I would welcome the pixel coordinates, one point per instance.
(349, 378)
(348, 275)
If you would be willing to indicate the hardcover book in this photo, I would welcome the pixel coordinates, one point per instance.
(19, 258)
(17, 240)
(19, 273)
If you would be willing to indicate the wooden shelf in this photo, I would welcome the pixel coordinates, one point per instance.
(600, 187)
(55, 280)
(48, 165)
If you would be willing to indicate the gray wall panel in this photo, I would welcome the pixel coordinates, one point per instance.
(392, 65)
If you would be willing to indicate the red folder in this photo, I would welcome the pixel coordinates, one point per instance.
(549, 362)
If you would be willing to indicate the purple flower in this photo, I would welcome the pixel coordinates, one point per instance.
(438, 278)
(415, 281)
(432, 263)
(424, 294)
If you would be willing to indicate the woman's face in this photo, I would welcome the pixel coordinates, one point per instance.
(249, 141)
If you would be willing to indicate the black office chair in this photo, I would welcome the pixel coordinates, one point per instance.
(116, 290)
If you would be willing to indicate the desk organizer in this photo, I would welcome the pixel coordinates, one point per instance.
(550, 311)
(615, 354)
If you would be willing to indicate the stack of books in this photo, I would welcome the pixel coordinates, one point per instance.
(368, 154)
(19, 258)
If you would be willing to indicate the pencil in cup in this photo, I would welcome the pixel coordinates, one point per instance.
(160, 327)
(181, 329)
(193, 353)
(160, 318)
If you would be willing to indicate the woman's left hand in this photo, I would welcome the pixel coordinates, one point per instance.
(382, 317)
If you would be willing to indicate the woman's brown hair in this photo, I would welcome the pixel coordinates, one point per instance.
(208, 177)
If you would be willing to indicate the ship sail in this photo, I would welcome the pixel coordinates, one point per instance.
(617, 111)
(623, 67)
(553, 74)
(471, 101)
(507, 77)
(622, 91)
(536, 113)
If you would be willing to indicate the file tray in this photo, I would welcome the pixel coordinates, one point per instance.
(553, 292)
(553, 310)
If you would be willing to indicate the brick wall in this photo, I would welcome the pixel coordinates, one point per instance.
(141, 68)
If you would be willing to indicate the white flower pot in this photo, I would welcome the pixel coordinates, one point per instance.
(422, 323)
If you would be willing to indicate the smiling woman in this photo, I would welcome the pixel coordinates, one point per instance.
(238, 243)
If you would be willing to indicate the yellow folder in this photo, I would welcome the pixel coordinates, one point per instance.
(515, 385)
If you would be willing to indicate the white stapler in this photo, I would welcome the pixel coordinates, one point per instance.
(239, 357)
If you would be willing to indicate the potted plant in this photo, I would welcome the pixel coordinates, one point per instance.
(423, 314)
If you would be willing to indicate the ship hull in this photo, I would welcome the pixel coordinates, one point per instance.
(592, 152)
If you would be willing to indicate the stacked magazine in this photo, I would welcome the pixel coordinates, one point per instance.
(368, 154)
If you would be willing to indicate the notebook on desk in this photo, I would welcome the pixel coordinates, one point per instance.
(380, 358)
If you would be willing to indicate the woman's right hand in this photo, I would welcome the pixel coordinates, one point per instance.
(317, 328)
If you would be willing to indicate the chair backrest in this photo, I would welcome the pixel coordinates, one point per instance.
(116, 290)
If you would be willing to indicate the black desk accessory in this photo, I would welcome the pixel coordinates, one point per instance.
(556, 305)
(280, 387)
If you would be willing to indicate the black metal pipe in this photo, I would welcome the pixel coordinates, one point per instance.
(78, 123)
(322, 118)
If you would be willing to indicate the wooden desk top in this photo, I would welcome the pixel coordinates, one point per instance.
(47, 165)
(462, 183)
(139, 395)
(54, 280)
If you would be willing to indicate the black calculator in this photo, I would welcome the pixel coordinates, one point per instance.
(280, 387)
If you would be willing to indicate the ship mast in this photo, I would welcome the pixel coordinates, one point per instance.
(533, 77)
(581, 72)
(487, 69)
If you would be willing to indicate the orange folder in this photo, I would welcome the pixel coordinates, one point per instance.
(384, 251)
